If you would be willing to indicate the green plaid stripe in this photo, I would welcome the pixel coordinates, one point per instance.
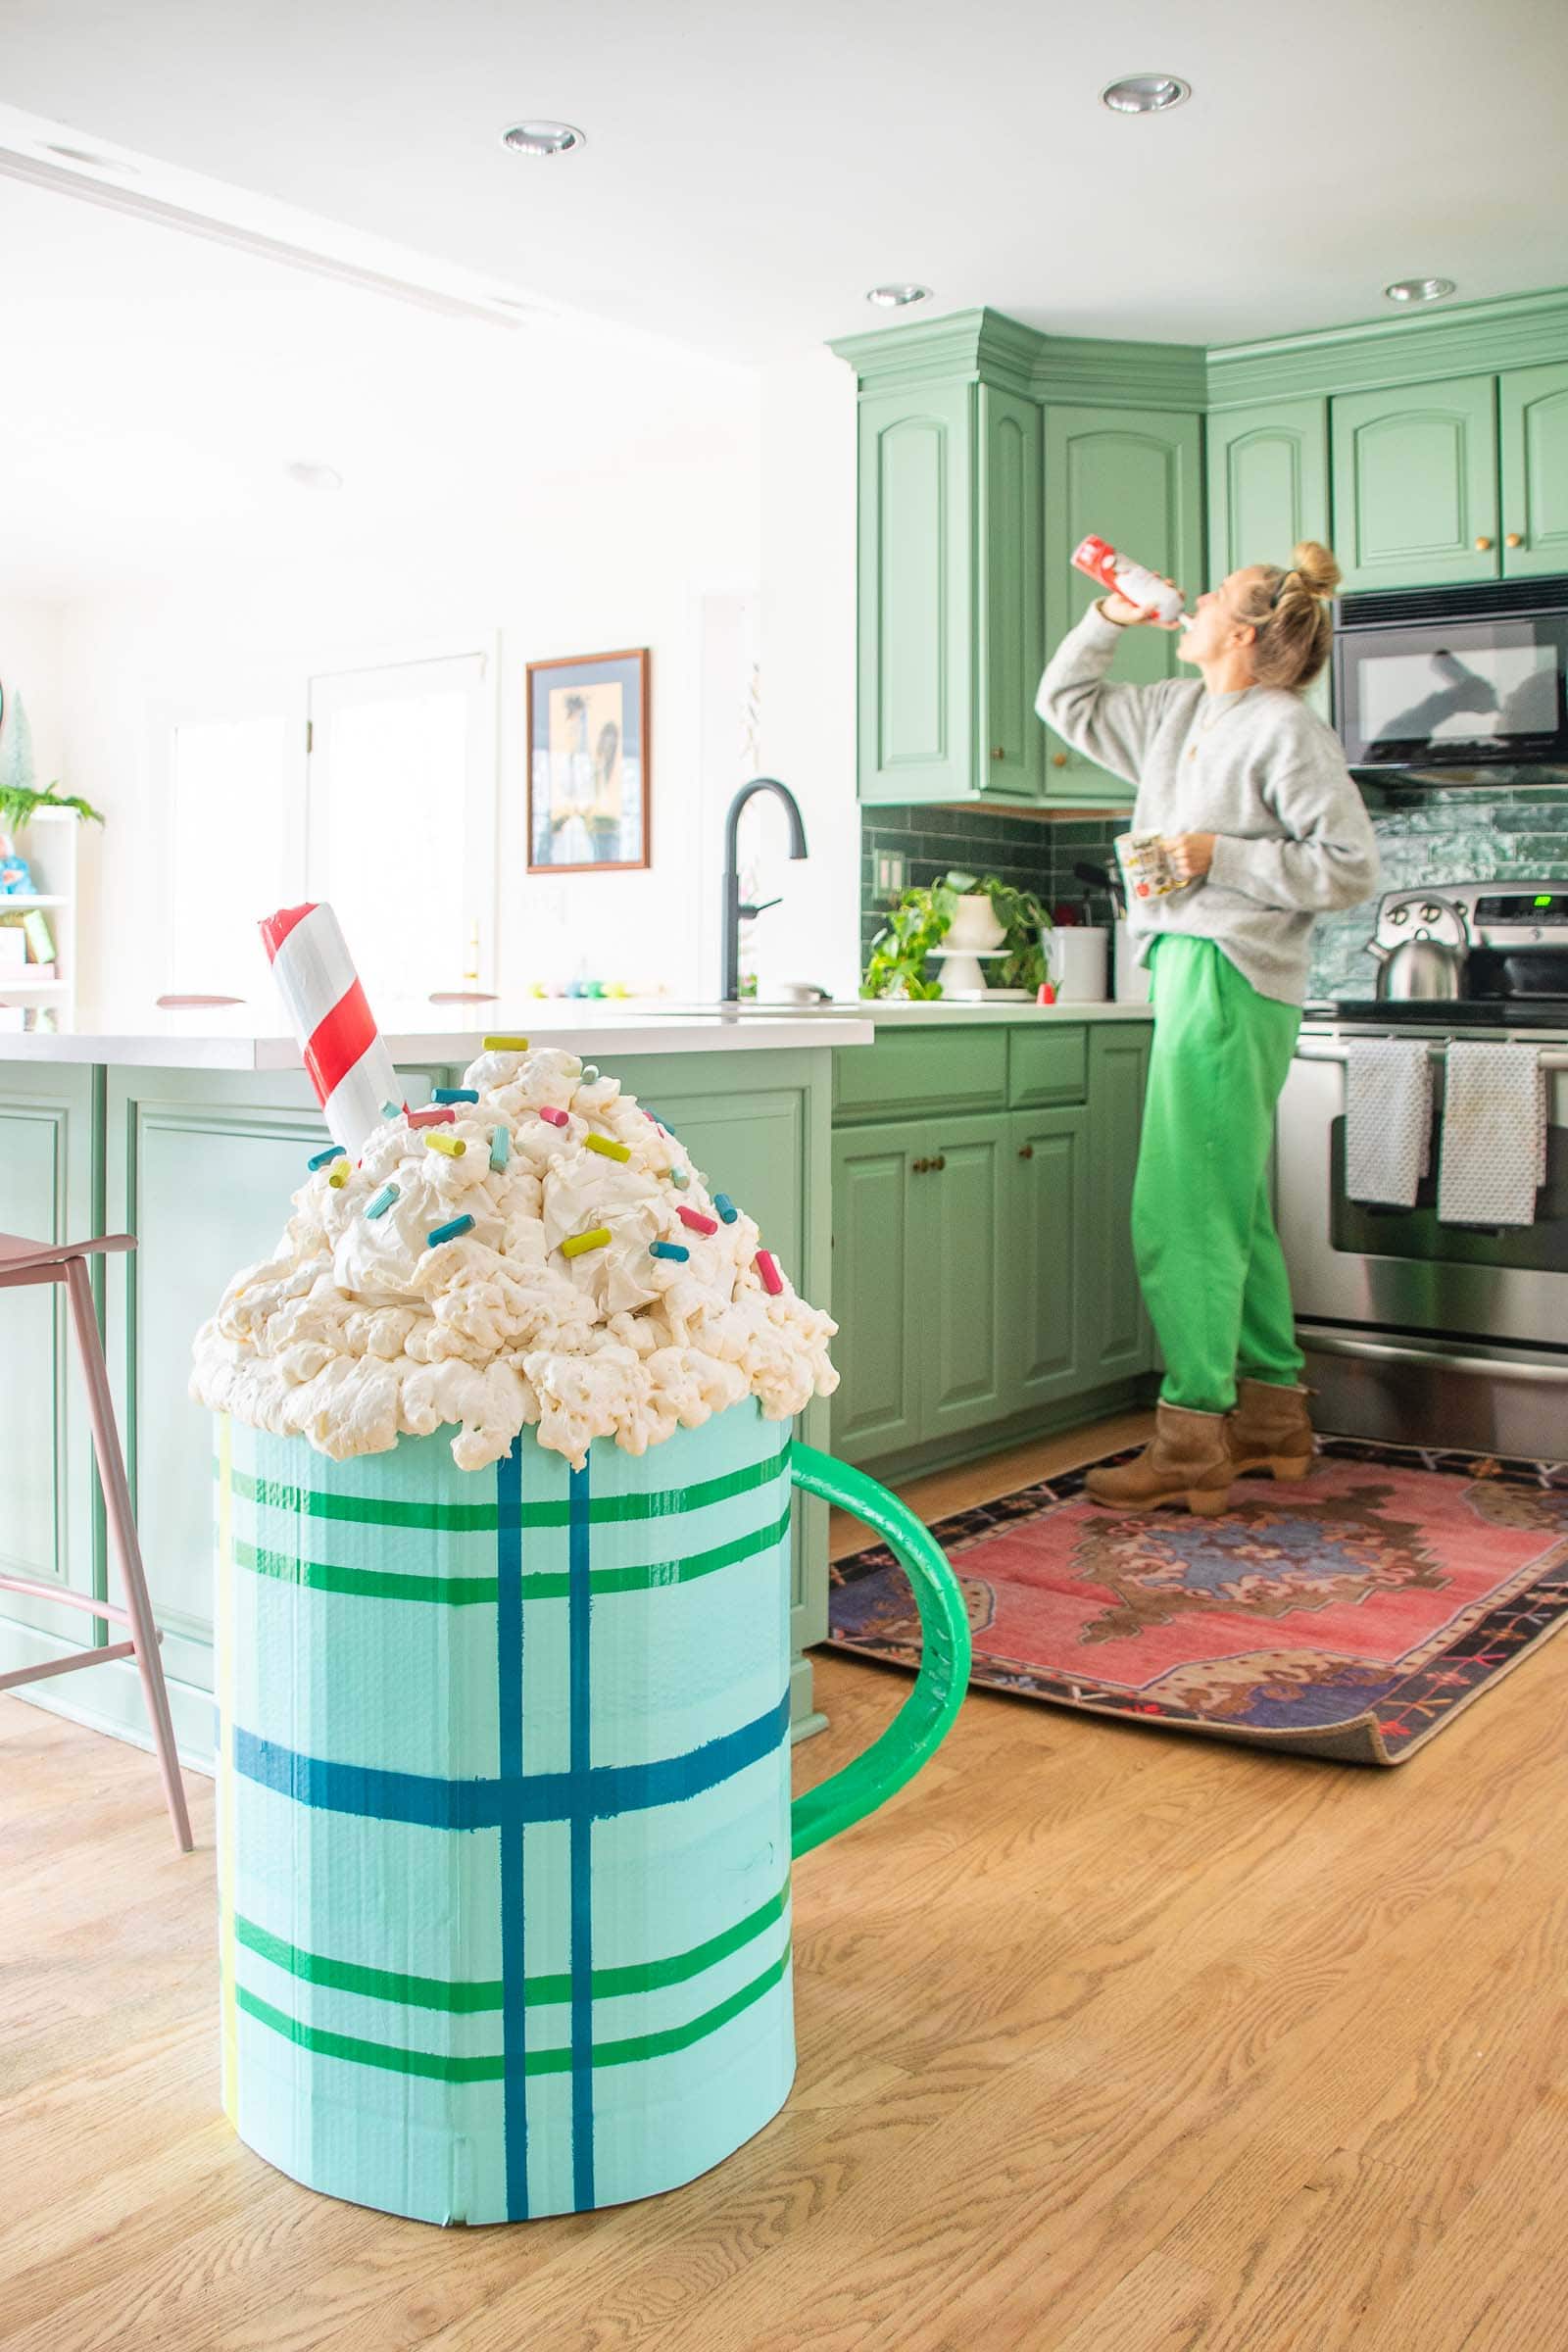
(473, 1518)
(437, 1993)
(456, 1592)
(662, 2045)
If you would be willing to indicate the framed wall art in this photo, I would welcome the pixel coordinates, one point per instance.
(588, 763)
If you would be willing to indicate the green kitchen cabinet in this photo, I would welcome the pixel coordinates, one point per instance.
(1133, 476)
(920, 1243)
(1268, 482)
(949, 594)
(877, 1405)
(982, 1267)
(1119, 1338)
(1048, 1153)
(1268, 486)
(51, 1524)
(1533, 449)
(964, 1279)
(1415, 484)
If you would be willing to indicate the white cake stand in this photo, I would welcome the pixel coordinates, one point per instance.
(962, 980)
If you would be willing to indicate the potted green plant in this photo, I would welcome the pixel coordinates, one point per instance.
(19, 799)
(920, 919)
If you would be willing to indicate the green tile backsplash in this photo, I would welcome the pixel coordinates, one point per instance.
(1029, 852)
(1437, 835)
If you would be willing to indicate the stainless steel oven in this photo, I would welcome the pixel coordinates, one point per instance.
(1414, 1331)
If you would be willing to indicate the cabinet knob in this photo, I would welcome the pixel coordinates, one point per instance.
(1515, 539)
(918, 1167)
(1026, 1151)
(1482, 544)
(940, 1163)
(999, 751)
(1059, 759)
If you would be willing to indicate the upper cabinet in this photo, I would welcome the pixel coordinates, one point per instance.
(949, 590)
(1135, 477)
(1533, 443)
(1268, 482)
(988, 450)
(1415, 484)
(1268, 486)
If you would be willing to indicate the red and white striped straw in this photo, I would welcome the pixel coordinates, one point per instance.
(349, 1066)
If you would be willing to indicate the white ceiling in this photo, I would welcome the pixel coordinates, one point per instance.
(751, 171)
(155, 387)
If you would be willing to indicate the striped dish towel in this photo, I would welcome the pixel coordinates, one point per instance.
(1494, 1158)
(1388, 1124)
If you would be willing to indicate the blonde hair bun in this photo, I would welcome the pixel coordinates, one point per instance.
(1314, 565)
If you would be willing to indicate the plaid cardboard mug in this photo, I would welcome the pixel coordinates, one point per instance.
(504, 1818)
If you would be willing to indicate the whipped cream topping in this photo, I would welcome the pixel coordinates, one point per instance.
(358, 1330)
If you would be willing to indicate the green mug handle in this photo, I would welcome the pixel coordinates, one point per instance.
(926, 1716)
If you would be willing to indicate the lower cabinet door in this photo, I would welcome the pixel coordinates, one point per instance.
(1047, 1152)
(1118, 1341)
(876, 1406)
(962, 1276)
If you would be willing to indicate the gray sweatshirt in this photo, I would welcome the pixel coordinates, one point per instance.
(1258, 769)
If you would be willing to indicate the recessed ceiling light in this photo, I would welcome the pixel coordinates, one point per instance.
(314, 478)
(1419, 289)
(898, 297)
(543, 138)
(1145, 93)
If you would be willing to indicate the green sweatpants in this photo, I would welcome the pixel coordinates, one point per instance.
(1208, 1257)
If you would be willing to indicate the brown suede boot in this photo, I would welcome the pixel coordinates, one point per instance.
(1187, 1461)
(1270, 1429)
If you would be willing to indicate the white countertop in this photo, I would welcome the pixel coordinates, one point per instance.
(940, 1014)
(231, 1040)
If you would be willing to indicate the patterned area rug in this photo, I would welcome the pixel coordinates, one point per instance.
(1350, 1616)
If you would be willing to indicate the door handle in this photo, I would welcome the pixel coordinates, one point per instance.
(1026, 1151)
(940, 1163)
(918, 1167)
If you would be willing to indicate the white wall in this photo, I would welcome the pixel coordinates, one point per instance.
(808, 664)
(641, 557)
(29, 665)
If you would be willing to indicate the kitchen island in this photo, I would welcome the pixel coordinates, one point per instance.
(191, 1131)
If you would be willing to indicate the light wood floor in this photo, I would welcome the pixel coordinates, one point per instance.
(1110, 2040)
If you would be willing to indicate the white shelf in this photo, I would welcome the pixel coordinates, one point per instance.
(33, 988)
(20, 902)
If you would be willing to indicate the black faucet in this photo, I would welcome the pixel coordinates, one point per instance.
(729, 987)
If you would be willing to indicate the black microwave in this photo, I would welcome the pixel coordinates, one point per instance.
(1433, 679)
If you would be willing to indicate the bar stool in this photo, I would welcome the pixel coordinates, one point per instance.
(24, 1262)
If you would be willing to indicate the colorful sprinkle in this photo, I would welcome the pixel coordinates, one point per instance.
(695, 1218)
(772, 1278)
(596, 1238)
(454, 1094)
(384, 1201)
(606, 1147)
(443, 1117)
(555, 1118)
(506, 1045)
(501, 1146)
(725, 1207)
(321, 1158)
(393, 1110)
(452, 1144)
(339, 1177)
(668, 1250)
(680, 1178)
(447, 1233)
(590, 1073)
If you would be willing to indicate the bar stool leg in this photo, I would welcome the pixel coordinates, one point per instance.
(122, 1527)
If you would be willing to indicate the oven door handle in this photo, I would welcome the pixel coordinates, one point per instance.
(1488, 1367)
(1341, 1055)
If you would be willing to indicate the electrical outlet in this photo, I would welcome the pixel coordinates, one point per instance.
(892, 875)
